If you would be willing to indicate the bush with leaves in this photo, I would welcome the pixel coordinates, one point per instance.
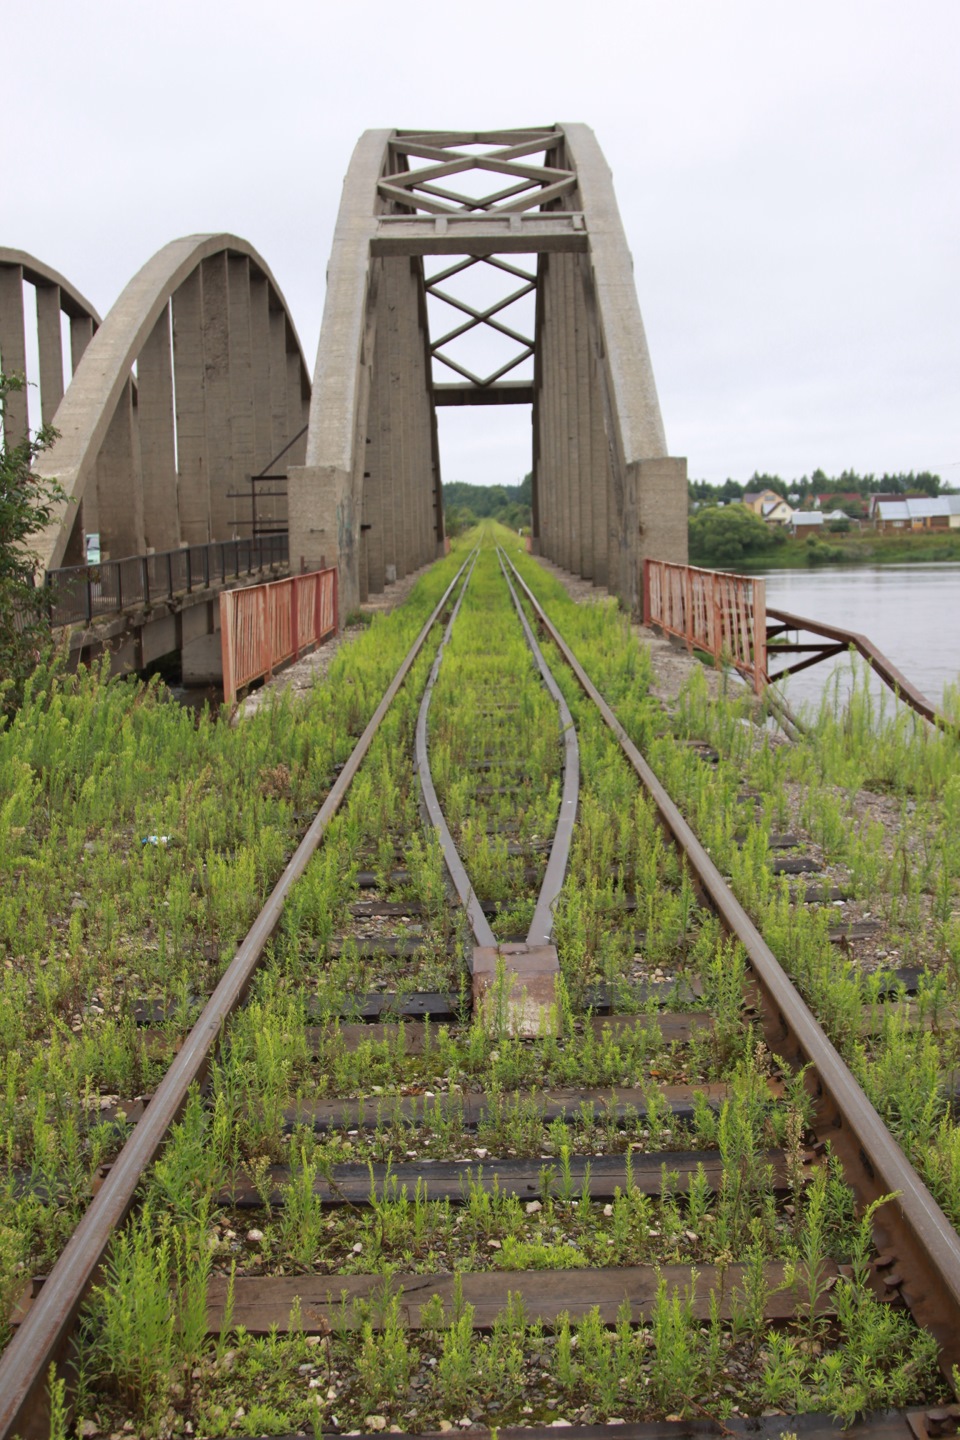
(731, 534)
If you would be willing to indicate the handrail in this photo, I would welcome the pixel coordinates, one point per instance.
(843, 639)
(719, 613)
(82, 593)
(264, 626)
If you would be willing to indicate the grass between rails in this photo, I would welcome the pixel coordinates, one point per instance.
(878, 791)
(147, 1357)
(94, 921)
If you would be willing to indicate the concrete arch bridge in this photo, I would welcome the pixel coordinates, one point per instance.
(187, 416)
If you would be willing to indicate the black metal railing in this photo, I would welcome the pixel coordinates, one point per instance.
(83, 592)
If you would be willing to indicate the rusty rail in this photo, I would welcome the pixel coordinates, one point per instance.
(42, 1336)
(917, 1237)
(264, 626)
(532, 964)
(912, 1229)
(841, 640)
(721, 614)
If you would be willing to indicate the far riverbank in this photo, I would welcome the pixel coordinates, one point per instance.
(856, 547)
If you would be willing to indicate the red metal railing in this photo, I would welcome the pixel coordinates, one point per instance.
(723, 615)
(265, 625)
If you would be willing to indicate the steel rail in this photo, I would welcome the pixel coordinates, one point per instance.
(921, 1248)
(45, 1329)
(451, 857)
(541, 926)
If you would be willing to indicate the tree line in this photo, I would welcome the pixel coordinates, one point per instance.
(848, 482)
(464, 505)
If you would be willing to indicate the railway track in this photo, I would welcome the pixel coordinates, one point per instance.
(506, 1106)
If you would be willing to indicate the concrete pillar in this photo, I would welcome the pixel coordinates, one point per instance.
(600, 476)
(74, 552)
(325, 526)
(158, 458)
(373, 479)
(425, 477)
(561, 535)
(13, 351)
(403, 429)
(215, 325)
(81, 333)
(608, 495)
(283, 430)
(201, 661)
(119, 491)
(50, 350)
(438, 529)
(581, 407)
(242, 417)
(662, 513)
(263, 451)
(536, 447)
(297, 411)
(413, 399)
(542, 413)
(193, 480)
(570, 433)
(543, 418)
(396, 565)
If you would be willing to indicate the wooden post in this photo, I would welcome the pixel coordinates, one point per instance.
(295, 584)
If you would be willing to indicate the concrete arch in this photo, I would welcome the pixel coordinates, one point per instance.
(368, 499)
(54, 296)
(606, 494)
(220, 388)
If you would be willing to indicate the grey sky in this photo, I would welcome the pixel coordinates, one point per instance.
(787, 177)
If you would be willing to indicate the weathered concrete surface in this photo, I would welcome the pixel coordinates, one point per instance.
(605, 492)
(103, 375)
(54, 295)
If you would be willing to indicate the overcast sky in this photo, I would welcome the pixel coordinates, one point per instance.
(787, 176)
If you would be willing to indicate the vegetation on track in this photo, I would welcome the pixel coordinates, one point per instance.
(96, 923)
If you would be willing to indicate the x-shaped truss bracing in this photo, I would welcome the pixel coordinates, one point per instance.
(409, 190)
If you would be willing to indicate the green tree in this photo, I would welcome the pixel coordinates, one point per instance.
(729, 534)
(27, 503)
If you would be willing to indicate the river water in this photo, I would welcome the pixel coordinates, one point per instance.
(910, 612)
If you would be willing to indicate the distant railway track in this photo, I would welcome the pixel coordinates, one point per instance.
(537, 992)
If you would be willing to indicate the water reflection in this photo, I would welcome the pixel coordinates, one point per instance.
(910, 612)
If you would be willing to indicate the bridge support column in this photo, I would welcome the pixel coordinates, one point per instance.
(50, 350)
(13, 349)
(662, 515)
(194, 486)
(81, 333)
(161, 521)
(325, 527)
(216, 391)
(120, 498)
(243, 399)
